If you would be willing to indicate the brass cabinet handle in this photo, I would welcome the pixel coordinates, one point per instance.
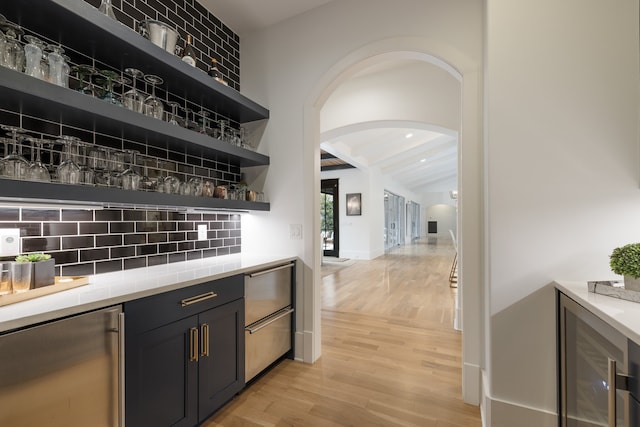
(204, 331)
(193, 344)
(198, 298)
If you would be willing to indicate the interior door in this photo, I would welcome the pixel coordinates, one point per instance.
(329, 217)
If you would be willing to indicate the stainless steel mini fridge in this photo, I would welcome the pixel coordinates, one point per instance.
(268, 317)
(64, 373)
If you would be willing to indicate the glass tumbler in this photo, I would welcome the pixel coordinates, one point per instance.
(33, 55)
(56, 65)
(13, 51)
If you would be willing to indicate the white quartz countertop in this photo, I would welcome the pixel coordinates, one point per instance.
(108, 289)
(623, 315)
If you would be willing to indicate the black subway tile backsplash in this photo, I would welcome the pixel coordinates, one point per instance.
(109, 243)
(211, 37)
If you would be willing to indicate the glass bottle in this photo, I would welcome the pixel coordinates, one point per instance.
(214, 72)
(189, 54)
(107, 8)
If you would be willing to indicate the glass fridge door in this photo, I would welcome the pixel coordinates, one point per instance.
(586, 345)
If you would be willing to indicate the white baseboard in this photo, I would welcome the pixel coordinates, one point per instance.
(501, 413)
(471, 383)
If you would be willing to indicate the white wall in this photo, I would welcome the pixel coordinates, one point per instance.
(446, 217)
(562, 153)
(362, 237)
(293, 67)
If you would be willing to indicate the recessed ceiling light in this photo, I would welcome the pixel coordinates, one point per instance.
(423, 160)
(409, 135)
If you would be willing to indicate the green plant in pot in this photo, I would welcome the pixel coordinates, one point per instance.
(32, 271)
(625, 261)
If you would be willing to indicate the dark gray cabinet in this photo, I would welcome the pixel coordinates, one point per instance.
(184, 353)
(83, 28)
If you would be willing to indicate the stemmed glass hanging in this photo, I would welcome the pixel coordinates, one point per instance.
(37, 170)
(15, 166)
(68, 170)
(204, 128)
(133, 99)
(153, 107)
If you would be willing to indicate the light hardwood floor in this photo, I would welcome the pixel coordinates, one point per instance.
(390, 356)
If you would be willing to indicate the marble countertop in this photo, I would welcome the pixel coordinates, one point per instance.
(108, 289)
(623, 315)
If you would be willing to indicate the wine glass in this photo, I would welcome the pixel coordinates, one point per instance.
(174, 112)
(37, 170)
(132, 99)
(153, 107)
(83, 71)
(110, 80)
(204, 128)
(68, 170)
(130, 177)
(15, 166)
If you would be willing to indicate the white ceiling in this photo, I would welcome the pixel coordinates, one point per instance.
(245, 16)
(416, 162)
(383, 147)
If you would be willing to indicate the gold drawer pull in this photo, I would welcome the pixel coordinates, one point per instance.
(198, 298)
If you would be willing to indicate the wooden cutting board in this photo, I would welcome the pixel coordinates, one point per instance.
(62, 283)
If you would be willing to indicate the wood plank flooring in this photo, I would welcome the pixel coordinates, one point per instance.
(390, 356)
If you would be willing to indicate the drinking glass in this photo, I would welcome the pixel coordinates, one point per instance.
(107, 8)
(33, 54)
(223, 134)
(188, 123)
(13, 52)
(66, 69)
(110, 80)
(83, 71)
(132, 99)
(171, 185)
(153, 107)
(204, 127)
(15, 166)
(87, 173)
(196, 186)
(130, 177)
(68, 170)
(173, 118)
(56, 65)
(37, 170)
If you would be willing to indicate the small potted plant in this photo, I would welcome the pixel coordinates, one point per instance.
(625, 261)
(32, 271)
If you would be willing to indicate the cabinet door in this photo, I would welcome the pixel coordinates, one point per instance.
(586, 345)
(161, 383)
(221, 366)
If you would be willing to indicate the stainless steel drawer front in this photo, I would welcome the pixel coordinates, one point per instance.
(267, 343)
(266, 292)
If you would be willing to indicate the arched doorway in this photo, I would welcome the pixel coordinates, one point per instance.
(470, 189)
